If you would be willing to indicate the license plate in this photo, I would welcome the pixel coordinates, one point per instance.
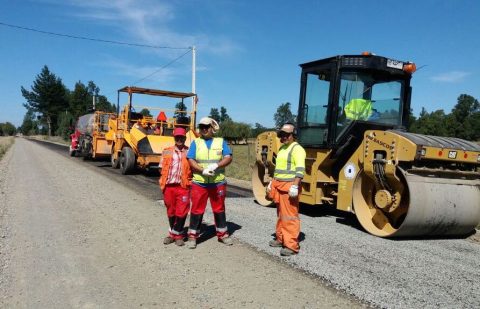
(394, 64)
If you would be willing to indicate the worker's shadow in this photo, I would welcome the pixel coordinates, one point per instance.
(207, 231)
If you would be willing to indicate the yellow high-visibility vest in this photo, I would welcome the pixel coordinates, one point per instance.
(358, 109)
(205, 157)
(290, 162)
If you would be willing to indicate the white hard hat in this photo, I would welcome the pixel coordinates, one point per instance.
(210, 122)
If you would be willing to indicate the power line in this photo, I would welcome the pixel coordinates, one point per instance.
(164, 66)
(91, 39)
(108, 41)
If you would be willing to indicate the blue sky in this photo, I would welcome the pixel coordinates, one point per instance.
(248, 52)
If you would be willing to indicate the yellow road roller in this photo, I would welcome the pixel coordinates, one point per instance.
(352, 115)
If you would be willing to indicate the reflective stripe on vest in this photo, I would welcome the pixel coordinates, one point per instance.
(205, 157)
(283, 169)
(167, 159)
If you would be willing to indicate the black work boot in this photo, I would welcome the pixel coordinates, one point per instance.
(168, 240)
(275, 243)
(287, 252)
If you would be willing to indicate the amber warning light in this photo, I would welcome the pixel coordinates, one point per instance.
(409, 67)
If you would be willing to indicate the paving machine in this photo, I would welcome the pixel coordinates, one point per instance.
(138, 140)
(88, 140)
(352, 115)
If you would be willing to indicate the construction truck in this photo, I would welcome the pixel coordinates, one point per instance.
(352, 118)
(88, 140)
(137, 140)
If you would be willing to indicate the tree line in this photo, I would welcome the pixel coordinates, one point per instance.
(463, 121)
(52, 108)
(236, 132)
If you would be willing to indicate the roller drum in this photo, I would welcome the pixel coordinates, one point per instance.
(427, 206)
(440, 206)
(260, 180)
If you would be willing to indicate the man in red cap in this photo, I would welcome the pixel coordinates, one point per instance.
(174, 182)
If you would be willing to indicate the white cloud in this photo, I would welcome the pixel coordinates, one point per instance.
(451, 77)
(148, 22)
(133, 71)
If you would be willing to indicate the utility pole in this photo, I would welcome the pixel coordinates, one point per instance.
(193, 69)
(194, 98)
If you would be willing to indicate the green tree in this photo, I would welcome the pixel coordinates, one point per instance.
(145, 112)
(102, 104)
(214, 114)
(180, 110)
(411, 121)
(464, 116)
(66, 123)
(7, 128)
(47, 98)
(101, 101)
(283, 115)
(29, 125)
(258, 129)
(80, 100)
(434, 123)
(223, 114)
(234, 131)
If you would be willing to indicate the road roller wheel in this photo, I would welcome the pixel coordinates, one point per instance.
(379, 211)
(260, 180)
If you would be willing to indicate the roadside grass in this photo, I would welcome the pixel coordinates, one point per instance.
(5, 143)
(243, 161)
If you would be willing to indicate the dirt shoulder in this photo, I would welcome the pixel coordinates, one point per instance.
(73, 238)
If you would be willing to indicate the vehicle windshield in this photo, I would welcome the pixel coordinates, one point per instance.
(369, 96)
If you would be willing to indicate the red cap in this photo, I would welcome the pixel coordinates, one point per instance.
(179, 132)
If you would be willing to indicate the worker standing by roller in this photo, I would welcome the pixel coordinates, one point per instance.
(208, 156)
(175, 182)
(285, 189)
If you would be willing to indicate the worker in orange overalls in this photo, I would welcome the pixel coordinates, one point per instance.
(174, 182)
(285, 188)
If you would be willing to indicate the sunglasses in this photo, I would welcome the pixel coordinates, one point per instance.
(281, 134)
(203, 126)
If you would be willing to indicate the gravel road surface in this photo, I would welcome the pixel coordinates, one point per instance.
(73, 238)
(111, 252)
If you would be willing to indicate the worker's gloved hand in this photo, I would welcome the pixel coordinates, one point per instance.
(207, 172)
(269, 187)
(293, 192)
(212, 167)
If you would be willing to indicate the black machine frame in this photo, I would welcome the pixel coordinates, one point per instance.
(350, 63)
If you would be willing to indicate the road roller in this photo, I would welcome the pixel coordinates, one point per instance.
(352, 118)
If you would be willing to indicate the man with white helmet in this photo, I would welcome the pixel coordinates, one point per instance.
(208, 156)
